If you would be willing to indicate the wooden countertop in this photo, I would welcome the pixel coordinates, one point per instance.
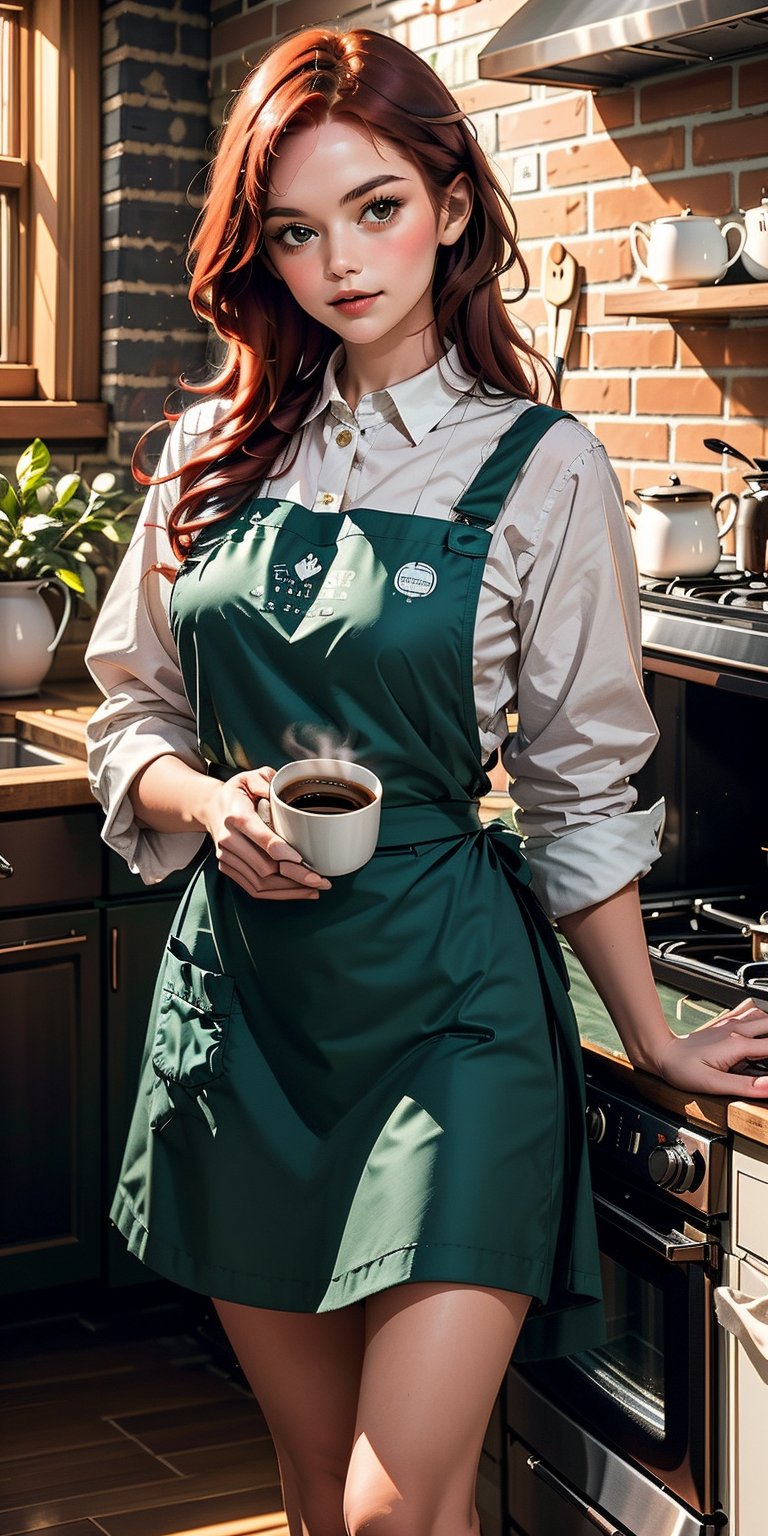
(747, 1117)
(55, 719)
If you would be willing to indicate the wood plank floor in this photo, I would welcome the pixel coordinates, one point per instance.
(128, 1417)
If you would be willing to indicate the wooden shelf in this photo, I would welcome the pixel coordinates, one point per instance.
(691, 303)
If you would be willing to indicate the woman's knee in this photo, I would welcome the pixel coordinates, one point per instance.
(373, 1509)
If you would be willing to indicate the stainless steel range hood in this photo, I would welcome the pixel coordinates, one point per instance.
(600, 44)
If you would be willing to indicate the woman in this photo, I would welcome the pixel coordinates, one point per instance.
(360, 1118)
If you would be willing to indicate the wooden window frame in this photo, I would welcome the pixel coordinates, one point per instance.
(55, 393)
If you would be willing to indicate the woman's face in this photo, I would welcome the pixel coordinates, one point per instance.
(350, 229)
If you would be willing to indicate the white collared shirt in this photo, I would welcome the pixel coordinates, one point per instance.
(557, 632)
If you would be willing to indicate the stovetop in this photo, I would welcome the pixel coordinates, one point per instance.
(711, 594)
(686, 936)
(721, 618)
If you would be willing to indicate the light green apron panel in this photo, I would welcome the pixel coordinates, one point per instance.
(384, 1085)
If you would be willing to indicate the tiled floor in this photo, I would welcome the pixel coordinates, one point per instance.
(127, 1418)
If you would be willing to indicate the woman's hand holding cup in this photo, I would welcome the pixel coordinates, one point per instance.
(248, 849)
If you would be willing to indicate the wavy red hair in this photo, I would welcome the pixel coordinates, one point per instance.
(276, 354)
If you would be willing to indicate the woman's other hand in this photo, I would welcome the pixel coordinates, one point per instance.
(248, 850)
(703, 1061)
(609, 940)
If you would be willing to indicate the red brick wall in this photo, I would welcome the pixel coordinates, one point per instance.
(651, 389)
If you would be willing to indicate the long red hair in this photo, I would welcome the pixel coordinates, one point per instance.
(276, 354)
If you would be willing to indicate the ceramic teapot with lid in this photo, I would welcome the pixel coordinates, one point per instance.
(675, 529)
(686, 249)
(754, 257)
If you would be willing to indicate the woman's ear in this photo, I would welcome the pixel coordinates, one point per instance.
(454, 214)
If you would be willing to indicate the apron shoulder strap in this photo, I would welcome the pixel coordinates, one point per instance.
(485, 496)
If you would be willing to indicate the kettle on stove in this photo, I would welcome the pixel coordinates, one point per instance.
(675, 529)
(750, 524)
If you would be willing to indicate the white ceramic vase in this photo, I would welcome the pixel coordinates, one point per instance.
(28, 635)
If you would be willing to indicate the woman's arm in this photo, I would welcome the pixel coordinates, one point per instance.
(609, 940)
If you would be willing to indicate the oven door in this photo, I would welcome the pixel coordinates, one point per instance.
(648, 1392)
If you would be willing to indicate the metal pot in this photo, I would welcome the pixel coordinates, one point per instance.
(750, 525)
(675, 529)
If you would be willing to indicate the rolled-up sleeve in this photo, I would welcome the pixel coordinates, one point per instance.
(584, 726)
(132, 658)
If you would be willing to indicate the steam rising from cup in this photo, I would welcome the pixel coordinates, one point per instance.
(304, 740)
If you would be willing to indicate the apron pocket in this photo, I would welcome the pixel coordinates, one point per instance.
(476, 1032)
(191, 1031)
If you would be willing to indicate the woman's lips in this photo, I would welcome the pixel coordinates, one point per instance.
(356, 304)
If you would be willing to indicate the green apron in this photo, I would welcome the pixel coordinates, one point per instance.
(383, 1085)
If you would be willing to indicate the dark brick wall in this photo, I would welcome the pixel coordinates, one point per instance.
(156, 138)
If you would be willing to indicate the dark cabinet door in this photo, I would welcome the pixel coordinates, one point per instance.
(135, 938)
(50, 1100)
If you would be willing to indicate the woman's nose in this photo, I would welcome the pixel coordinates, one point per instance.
(341, 255)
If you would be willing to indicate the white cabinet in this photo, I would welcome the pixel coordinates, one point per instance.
(747, 1273)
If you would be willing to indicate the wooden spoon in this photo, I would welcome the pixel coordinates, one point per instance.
(561, 287)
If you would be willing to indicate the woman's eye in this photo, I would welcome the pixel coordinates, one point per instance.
(382, 210)
(294, 235)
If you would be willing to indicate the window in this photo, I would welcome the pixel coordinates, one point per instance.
(14, 198)
(49, 219)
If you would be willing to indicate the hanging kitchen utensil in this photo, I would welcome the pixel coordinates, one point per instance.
(561, 287)
(716, 445)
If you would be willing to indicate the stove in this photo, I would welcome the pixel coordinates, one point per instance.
(710, 940)
(720, 619)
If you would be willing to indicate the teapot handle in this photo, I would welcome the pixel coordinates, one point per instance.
(742, 233)
(635, 508)
(53, 581)
(635, 230)
(724, 528)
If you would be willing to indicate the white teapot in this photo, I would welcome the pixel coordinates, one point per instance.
(685, 250)
(675, 530)
(754, 256)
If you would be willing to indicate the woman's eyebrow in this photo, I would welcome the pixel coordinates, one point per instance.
(349, 197)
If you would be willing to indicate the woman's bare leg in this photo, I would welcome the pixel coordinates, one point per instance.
(434, 1360)
(304, 1369)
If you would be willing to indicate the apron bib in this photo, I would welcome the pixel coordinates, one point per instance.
(383, 1085)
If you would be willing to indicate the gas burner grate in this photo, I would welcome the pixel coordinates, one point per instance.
(693, 940)
(722, 588)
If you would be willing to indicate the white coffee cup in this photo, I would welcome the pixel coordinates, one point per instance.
(333, 840)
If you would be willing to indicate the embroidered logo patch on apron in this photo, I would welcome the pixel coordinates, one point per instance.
(416, 579)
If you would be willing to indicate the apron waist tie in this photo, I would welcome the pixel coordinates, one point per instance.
(401, 825)
(433, 822)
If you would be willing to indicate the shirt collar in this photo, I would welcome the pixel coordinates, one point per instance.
(420, 402)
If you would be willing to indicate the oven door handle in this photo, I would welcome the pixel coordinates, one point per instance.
(590, 1514)
(676, 1250)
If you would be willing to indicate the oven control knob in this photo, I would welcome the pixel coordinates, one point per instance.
(672, 1167)
(596, 1123)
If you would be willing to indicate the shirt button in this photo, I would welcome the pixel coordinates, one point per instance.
(344, 437)
(327, 498)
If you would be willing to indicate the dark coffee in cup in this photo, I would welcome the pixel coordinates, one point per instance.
(326, 797)
(328, 809)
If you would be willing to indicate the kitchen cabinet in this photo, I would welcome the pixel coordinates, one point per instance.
(80, 942)
(747, 1369)
(50, 1118)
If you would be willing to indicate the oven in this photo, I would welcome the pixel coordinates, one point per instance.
(624, 1439)
(624, 1436)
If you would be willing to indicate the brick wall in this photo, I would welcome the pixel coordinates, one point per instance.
(156, 126)
(652, 390)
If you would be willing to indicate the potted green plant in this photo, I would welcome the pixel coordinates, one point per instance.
(55, 531)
